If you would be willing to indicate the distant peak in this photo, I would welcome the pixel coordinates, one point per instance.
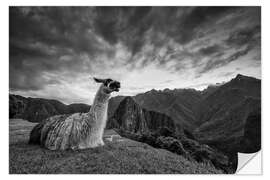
(128, 99)
(167, 90)
(153, 90)
(243, 77)
(238, 76)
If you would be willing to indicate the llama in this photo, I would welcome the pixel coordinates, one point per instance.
(79, 130)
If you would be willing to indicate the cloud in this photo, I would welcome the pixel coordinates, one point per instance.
(217, 63)
(210, 50)
(55, 46)
(246, 36)
(188, 28)
(226, 74)
(238, 44)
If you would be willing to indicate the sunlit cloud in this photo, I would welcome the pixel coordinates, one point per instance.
(55, 51)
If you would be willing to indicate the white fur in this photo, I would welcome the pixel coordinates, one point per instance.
(97, 119)
(79, 130)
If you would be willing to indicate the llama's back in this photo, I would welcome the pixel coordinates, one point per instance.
(61, 132)
(35, 135)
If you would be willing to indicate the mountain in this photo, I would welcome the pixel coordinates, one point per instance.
(225, 115)
(211, 88)
(131, 117)
(221, 115)
(216, 114)
(178, 104)
(160, 131)
(37, 109)
(113, 104)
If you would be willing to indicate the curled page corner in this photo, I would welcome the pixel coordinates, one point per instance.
(249, 163)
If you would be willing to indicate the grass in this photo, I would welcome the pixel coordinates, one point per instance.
(119, 156)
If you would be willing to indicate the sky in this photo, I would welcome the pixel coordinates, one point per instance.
(54, 52)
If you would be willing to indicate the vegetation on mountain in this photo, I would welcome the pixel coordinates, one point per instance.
(208, 126)
(38, 109)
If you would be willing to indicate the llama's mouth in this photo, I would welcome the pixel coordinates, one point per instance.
(115, 86)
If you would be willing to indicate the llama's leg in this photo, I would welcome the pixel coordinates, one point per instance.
(92, 141)
(99, 140)
(88, 143)
(100, 137)
(100, 143)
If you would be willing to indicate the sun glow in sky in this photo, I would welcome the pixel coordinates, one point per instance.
(55, 51)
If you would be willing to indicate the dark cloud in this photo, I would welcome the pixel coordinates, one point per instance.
(67, 27)
(216, 63)
(187, 29)
(105, 23)
(247, 36)
(242, 41)
(38, 39)
(210, 50)
(24, 52)
(126, 24)
(70, 41)
(130, 25)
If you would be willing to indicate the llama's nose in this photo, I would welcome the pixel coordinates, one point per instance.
(118, 84)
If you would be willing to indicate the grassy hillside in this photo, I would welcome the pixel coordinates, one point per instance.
(118, 156)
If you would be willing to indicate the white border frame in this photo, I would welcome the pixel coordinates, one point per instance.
(5, 57)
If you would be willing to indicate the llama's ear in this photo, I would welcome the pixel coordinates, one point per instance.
(98, 80)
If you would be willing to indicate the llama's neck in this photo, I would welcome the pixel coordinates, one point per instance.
(99, 108)
(101, 97)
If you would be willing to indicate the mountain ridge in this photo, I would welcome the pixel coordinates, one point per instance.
(226, 117)
(132, 117)
(37, 109)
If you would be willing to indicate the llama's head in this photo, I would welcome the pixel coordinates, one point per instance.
(108, 85)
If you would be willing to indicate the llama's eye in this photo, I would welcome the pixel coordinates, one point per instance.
(107, 82)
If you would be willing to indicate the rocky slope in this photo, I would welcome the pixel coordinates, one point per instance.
(131, 117)
(220, 113)
(178, 104)
(160, 131)
(225, 115)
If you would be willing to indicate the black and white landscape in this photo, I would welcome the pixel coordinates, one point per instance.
(190, 96)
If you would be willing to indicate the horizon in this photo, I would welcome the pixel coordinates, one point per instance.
(215, 84)
(53, 51)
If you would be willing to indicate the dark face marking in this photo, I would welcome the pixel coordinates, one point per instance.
(107, 82)
(115, 85)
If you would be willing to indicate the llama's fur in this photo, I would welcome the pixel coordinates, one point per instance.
(76, 131)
